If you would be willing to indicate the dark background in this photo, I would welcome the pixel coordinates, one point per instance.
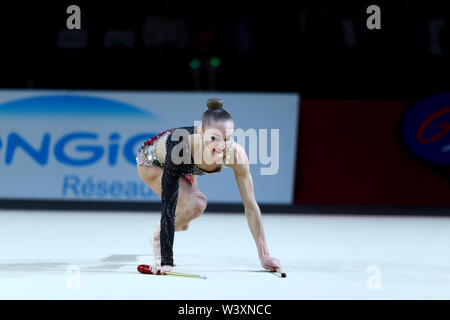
(296, 47)
(354, 83)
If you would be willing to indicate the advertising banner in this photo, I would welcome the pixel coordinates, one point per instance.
(81, 145)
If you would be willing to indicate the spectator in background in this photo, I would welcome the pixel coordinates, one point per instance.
(165, 37)
(319, 27)
(347, 11)
(242, 61)
(304, 17)
(208, 45)
(436, 25)
(244, 42)
(164, 32)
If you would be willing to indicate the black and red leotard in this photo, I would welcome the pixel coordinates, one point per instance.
(170, 181)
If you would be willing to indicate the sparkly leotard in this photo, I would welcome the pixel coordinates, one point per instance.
(148, 156)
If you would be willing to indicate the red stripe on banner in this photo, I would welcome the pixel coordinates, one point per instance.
(350, 152)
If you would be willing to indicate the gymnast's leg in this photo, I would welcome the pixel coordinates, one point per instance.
(190, 205)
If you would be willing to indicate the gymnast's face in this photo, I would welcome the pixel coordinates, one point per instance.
(217, 138)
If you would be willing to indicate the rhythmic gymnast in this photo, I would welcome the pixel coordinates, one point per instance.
(175, 181)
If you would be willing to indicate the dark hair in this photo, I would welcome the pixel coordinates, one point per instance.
(215, 112)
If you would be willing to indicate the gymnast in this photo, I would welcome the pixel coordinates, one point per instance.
(167, 165)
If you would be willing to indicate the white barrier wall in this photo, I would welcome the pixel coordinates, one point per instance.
(81, 145)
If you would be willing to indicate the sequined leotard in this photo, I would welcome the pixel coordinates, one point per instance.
(147, 155)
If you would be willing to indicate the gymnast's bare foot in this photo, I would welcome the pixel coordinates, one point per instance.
(184, 228)
(156, 243)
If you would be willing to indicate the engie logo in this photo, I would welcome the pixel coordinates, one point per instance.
(76, 130)
(90, 153)
(426, 129)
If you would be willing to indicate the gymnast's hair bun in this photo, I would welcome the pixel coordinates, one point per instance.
(214, 104)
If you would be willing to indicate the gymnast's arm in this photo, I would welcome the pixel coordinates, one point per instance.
(194, 179)
(244, 181)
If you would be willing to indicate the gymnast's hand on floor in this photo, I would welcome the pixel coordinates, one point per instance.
(270, 263)
(160, 270)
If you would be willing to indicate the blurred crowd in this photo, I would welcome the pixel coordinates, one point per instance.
(174, 45)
